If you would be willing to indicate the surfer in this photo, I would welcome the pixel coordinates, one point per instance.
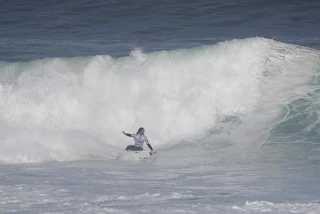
(139, 140)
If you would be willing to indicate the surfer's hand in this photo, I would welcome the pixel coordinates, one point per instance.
(152, 152)
(123, 132)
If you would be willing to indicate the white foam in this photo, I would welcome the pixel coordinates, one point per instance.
(144, 196)
(67, 109)
(269, 207)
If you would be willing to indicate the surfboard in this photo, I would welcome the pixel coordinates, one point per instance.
(136, 155)
(144, 154)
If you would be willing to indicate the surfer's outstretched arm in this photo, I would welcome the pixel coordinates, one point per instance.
(150, 147)
(129, 135)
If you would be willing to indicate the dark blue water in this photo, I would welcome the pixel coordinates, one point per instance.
(38, 29)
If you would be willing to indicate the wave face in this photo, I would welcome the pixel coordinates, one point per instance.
(60, 109)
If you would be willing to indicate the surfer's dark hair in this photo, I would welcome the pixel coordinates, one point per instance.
(139, 130)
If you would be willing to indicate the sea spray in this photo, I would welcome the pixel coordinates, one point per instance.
(73, 108)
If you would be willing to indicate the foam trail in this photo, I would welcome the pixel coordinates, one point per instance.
(72, 108)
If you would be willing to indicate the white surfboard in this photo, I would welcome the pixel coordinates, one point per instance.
(144, 154)
(136, 155)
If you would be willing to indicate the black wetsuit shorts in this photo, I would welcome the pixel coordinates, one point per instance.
(133, 148)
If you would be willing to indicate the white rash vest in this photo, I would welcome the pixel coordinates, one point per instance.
(139, 140)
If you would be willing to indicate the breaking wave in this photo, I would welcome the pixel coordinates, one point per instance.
(60, 109)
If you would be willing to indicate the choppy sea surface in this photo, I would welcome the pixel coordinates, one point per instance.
(228, 92)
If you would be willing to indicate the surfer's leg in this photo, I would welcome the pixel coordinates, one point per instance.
(133, 148)
(130, 148)
(138, 148)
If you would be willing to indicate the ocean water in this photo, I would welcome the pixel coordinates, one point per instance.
(228, 92)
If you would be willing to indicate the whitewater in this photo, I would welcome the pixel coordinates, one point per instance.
(75, 108)
(235, 124)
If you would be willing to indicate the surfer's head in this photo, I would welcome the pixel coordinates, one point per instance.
(140, 131)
